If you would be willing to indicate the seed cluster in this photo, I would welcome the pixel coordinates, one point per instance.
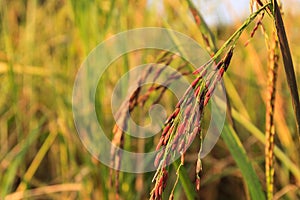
(138, 98)
(183, 125)
(270, 108)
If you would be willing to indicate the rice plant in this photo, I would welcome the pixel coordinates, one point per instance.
(44, 43)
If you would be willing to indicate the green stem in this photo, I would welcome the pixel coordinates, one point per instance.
(205, 30)
(188, 187)
(236, 35)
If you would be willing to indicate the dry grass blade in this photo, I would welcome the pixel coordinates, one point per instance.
(288, 63)
(29, 70)
(270, 127)
(44, 190)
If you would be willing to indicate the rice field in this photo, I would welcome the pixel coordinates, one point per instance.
(42, 46)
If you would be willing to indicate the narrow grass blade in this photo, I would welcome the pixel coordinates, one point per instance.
(188, 187)
(261, 137)
(37, 160)
(239, 154)
(288, 63)
(8, 178)
(67, 187)
(207, 34)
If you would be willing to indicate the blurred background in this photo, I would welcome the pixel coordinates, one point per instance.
(42, 45)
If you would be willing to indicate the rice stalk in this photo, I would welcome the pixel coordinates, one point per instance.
(184, 123)
(176, 130)
(270, 127)
(139, 99)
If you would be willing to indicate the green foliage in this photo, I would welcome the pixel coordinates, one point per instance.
(42, 45)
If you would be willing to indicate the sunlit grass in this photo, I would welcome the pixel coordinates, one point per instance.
(43, 44)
